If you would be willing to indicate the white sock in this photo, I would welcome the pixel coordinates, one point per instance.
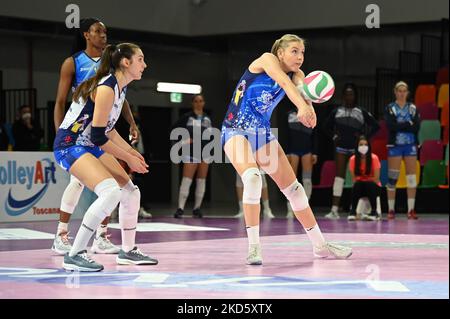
(199, 192)
(184, 191)
(90, 222)
(334, 209)
(411, 204)
(253, 235)
(102, 229)
(62, 228)
(266, 205)
(391, 204)
(315, 236)
(130, 203)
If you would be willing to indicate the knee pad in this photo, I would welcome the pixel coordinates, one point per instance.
(411, 181)
(71, 195)
(392, 178)
(338, 186)
(252, 181)
(109, 195)
(295, 193)
(130, 201)
(239, 181)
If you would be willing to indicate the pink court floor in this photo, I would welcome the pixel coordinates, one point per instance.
(205, 258)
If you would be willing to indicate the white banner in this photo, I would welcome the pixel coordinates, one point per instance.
(31, 186)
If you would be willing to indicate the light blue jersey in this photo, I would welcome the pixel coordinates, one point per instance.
(85, 68)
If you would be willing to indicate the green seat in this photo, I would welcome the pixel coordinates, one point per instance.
(433, 174)
(429, 130)
(446, 155)
(348, 179)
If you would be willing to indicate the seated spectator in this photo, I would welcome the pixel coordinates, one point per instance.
(26, 131)
(365, 170)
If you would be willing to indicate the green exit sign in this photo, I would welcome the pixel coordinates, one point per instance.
(176, 97)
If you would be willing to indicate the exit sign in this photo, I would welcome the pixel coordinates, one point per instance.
(176, 97)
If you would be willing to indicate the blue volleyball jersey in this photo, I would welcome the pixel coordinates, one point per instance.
(403, 115)
(76, 127)
(85, 68)
(253, 102)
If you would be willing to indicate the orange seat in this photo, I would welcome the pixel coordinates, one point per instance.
(425, 93)
(443, 95)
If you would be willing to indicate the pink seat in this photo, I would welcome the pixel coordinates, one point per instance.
(431, 150)
(428, 111)
(327, 174)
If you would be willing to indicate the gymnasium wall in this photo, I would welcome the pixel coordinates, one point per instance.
(212, 17)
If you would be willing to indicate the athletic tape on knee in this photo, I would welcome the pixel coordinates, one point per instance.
(252, 181)
(392, 178)
(239, 181)
(71, 195)
(411, 181)
(295, 193)
(108, 192)
(338, 186)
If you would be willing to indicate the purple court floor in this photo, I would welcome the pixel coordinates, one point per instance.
(206, 259)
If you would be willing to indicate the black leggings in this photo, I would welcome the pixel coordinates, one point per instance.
(365, 189)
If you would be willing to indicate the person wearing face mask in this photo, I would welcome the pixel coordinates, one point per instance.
(365, 168)
(345, 124)
(26, 131)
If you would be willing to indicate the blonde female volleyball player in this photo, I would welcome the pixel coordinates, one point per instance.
(249, 143)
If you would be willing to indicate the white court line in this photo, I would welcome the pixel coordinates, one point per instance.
(375, 285)
(226, 280)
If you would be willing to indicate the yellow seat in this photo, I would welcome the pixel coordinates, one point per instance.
(401, 182)
(443, 95)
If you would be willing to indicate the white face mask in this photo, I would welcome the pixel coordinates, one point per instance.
(363, 149)
(26, 116)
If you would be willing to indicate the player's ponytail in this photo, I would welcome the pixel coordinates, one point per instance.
(110, 62)
(284, 41)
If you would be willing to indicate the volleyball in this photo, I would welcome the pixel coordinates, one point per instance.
(318, 87)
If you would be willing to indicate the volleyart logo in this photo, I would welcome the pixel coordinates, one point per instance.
(22, 179)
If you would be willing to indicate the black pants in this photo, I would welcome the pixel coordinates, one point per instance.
(365, 189)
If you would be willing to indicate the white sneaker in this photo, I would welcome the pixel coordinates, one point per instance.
(102, 245)
(61, 244)
(267, 213)
(240, 214)
(254, 255)
(371, 217)
(330, 249)
(332, 215)
(144, 214)
(351, 218)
